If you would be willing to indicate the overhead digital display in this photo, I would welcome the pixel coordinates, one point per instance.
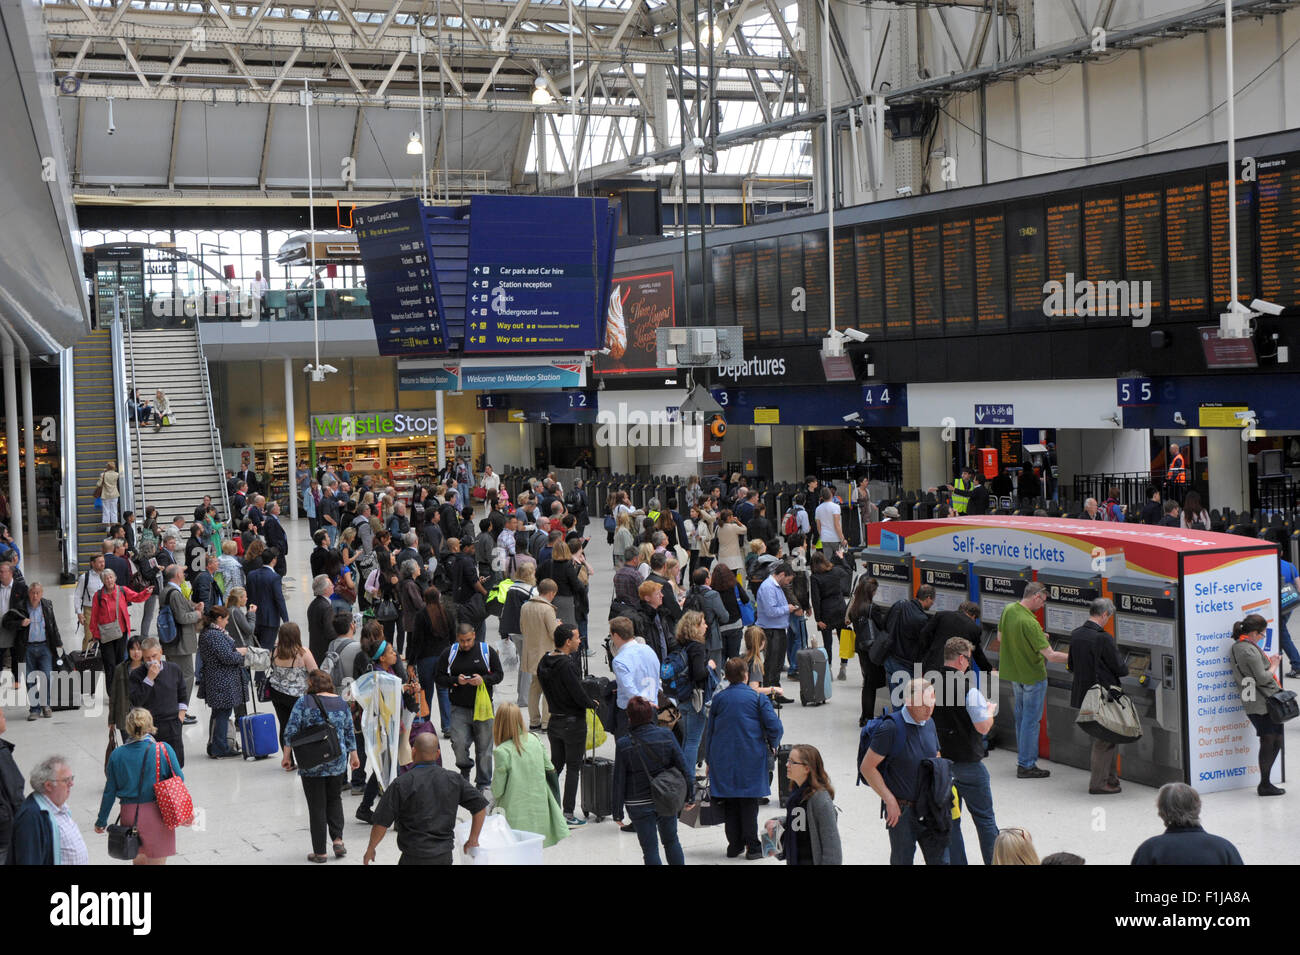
(1279, 230)
(927, 280)
(1220, 275)
(898, 283)
(400, 281)
(868, 272)
(1185, 247)
(958, 278)
(815, 280)
(539, 272)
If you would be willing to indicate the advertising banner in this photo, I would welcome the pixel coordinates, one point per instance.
(1219, 589)
(638, 306)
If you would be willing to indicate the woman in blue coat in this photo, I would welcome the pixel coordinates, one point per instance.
(743, 729)
(223, 679)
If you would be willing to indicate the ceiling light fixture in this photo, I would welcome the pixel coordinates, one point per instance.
(415, 147)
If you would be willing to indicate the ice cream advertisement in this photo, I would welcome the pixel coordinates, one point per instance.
(639, 305)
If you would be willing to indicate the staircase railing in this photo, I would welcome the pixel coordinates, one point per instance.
(117, 350)
(68, 462)
(130, 353)
(213, 431)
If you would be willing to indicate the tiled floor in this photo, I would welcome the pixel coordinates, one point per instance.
(254, 812)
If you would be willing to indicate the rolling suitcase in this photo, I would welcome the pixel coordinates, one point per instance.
(814, 676)
(597, 787)
(258, 736)
(65, 685)
(782, 780)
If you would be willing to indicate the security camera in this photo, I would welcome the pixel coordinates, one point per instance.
(1246, 415)
(1268, 308)
(856, 335)
(904, 190)
(1179, 419)
(853, 417)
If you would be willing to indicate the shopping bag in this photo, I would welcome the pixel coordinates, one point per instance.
(595, 730)
(482, 704)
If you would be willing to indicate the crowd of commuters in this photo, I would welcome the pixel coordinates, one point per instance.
(713, 601)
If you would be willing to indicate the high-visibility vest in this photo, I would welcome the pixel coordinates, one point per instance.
(1178, 469)
(961, 489)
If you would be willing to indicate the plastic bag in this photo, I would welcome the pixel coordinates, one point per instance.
(595, 731)
(482, 704)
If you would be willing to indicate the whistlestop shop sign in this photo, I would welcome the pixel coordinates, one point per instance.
(373, 425)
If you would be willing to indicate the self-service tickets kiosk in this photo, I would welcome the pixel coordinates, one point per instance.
(949, 578)
(893, 572)
(1146, 631)
(999, 585)
(1069, 594)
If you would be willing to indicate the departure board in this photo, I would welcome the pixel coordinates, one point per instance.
(815, 281)
(724, 299)
(790, 251)
(1064, 257)
(991, 272)
(746, 289)
(1144, 251)
(871, 293)
(1187, 266)
(1279, 230)
(927, 280)
(898, 283)
(1101, 244)
(1220, 275)
(846, 296)
(769, 290)
(958, 278)
(1026, 262)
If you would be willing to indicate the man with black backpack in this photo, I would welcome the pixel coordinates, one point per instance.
(896, 747)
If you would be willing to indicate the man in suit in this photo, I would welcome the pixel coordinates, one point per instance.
(115, 560)
(196, 550)
(249, 478)
(320, 617)
(239, 500)
(160, 687)
(232, 483)
(264, 590)
(206, 589)
(320, 554)
(256, 515)
(1093, 659)
(181, 651)
(275, 536)
(13, 595)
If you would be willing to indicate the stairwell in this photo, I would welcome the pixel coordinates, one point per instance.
(180, 462)
(96, 434)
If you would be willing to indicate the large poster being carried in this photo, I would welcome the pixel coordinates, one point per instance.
(638, 306)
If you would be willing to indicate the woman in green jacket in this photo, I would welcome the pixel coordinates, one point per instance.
(119, 691)
(519, 784)
(1253, 670)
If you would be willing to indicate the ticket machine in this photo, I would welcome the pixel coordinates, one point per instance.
(892, 570)
(1069, 595)
(949, 578)
(1146, 630)
(999, 585)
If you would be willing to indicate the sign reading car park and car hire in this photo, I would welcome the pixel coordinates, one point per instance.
(371, 425)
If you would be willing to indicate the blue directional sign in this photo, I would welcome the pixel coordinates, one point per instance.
(400, 279)
(538, 273)
(989, 415)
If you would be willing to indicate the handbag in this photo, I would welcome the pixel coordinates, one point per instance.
(748, 613)
(386, 611)
(1108, 714)
(317, 744)
(705, 811)
(1282, 706)
(174, 802)
(667, 786)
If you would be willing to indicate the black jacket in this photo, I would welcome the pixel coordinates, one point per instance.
(426, 640)
(958, 738)
(670, 608)
(905, 625)
(828, 597)
(446, 670)
(1094, 658)
(195, 553)
(933, 805)
(941, 628)
(659, 749)
(1191, 845)
(275, 536)
(320, 627)
(320, 557)
(53, 639)
(562, 683)
(164, 698)
(978, 502)
(11, 796)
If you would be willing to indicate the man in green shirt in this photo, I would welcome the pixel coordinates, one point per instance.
(1022, 659)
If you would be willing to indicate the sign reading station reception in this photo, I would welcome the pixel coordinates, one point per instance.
(1177, 594)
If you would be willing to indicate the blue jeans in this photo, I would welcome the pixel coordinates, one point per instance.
(465, 730)
(1288, 647)
(650, 828)
(219, 732)
(906, 835)
(972, 781)
(795, 635)
(693, 727)
(39, 661)
(1028, 713)
(333, 531)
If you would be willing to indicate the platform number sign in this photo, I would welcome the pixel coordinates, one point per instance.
(878, 396)
(1132, 392)
(578, 399)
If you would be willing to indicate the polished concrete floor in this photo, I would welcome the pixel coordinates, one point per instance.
(254, 813)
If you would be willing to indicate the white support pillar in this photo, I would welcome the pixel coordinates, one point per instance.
(1229, 474)
(442, 429)
(29, 448)
(933, 457)
(11, 438)
(290, 419)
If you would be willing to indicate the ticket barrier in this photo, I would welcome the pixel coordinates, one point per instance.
(998, 585)
(1069, 595)
(1146, 631)
(949, 578)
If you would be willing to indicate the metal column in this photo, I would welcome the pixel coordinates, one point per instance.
(442, 428)
(11, 439)
(29, 448)
(290, 417)
(68, 465)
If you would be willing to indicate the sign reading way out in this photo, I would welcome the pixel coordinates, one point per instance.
(368, 426)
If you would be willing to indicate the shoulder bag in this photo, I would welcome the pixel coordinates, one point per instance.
(317, 744)
(173, 799)
(667, 785)
(1282, 705)
(124, 841)
(108, 632)
(1106, 712)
